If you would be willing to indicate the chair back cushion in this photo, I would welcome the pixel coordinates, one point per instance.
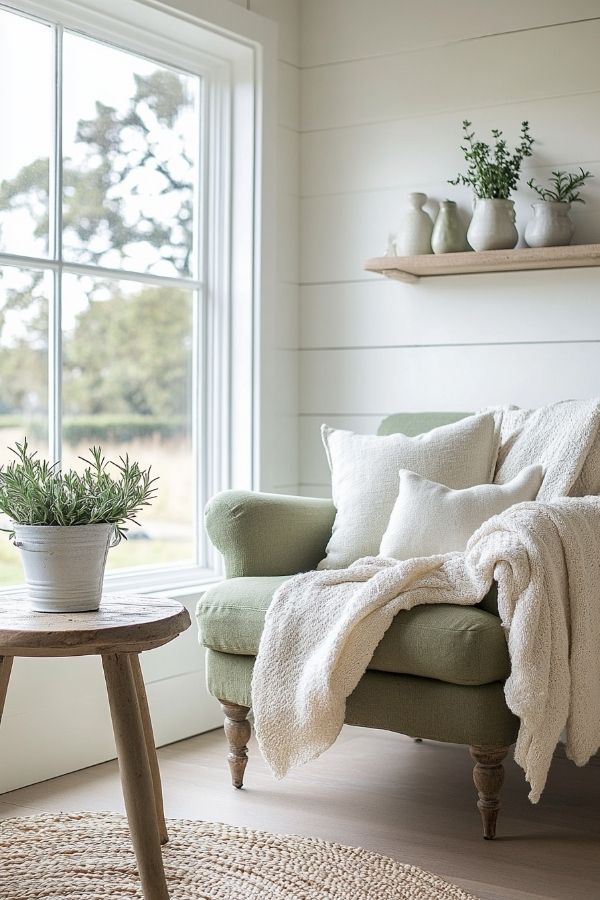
(418, 422)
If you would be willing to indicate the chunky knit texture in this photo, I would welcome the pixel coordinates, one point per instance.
(562, 437)
(323, 627)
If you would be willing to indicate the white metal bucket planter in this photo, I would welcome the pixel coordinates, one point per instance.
(64, 564)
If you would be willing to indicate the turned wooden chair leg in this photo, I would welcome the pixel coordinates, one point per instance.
(5, 669)
(140, 688)
(237, 731)
(488, 776)
(136, 777)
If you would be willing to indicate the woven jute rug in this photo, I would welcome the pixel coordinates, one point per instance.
(89, 857)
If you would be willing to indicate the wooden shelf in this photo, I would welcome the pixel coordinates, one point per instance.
(411, 268)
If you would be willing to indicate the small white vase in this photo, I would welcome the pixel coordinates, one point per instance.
(414, 236)
(493, 225)
(449, 233)
(64, 565)
(551, 224)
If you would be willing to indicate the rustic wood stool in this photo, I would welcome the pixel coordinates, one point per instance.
(119, 631)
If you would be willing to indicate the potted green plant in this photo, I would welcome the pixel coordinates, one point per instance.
(493, 174)
(551, 225)
(64, 522)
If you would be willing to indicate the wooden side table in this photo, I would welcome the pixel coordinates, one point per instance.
(119, 631)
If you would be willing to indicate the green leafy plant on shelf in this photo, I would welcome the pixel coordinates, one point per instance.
(36, 492)
(565, 187)
(493, 171)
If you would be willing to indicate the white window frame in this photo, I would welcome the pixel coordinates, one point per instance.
(225, 437)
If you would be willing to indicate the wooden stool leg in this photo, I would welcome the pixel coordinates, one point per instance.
(136, 777)
(488, 776)
(5, 669)
(150, 745)
(237, 732)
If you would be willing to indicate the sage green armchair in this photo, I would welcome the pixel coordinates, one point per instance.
(438, 673)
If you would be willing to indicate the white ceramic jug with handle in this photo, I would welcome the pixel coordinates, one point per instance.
(551, 225)
(493, 225)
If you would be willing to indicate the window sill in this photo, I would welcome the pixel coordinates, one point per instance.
(191, 591)
(190, 585)
(163, 581)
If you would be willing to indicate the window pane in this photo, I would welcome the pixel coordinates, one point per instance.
(26, 117)
(130, 149)
(24, 300)
(24, 297)
(127, 385)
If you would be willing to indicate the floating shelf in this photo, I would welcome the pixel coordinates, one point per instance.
(411, 268)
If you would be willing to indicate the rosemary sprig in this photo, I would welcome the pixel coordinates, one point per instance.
(566, 186)
(34, 492)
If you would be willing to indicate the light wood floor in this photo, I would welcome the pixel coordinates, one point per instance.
(382, 791)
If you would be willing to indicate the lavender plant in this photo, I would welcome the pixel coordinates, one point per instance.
(35, 492)
(493, 173)
(566, 186)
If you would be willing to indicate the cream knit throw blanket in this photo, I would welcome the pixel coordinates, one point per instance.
(563, 436)
(322, 627)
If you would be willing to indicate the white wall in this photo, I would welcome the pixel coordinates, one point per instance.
(385, 86)
(280, 440)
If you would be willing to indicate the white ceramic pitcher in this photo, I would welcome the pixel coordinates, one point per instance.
(493, 225)
(551, 225)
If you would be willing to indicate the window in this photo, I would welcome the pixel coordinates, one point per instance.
(113, 314)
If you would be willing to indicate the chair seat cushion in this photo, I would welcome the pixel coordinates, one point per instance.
(455, 644)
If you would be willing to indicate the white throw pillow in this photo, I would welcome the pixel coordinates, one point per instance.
(429, 518)
(364, 476)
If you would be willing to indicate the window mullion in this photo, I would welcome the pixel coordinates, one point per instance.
(27, 262)
(55, 227)
(99, 271)
(201, 445)
(197, 424)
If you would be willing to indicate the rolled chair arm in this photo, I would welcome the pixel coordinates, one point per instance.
(268, 534)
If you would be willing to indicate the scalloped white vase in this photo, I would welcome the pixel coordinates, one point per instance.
(551, 224)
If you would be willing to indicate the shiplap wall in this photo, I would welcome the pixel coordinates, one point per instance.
(280, 391)
(385, 86)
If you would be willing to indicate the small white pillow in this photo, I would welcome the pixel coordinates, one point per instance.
(364, 476)
(429, 518)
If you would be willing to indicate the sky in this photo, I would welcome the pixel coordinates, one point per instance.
(25, 91)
